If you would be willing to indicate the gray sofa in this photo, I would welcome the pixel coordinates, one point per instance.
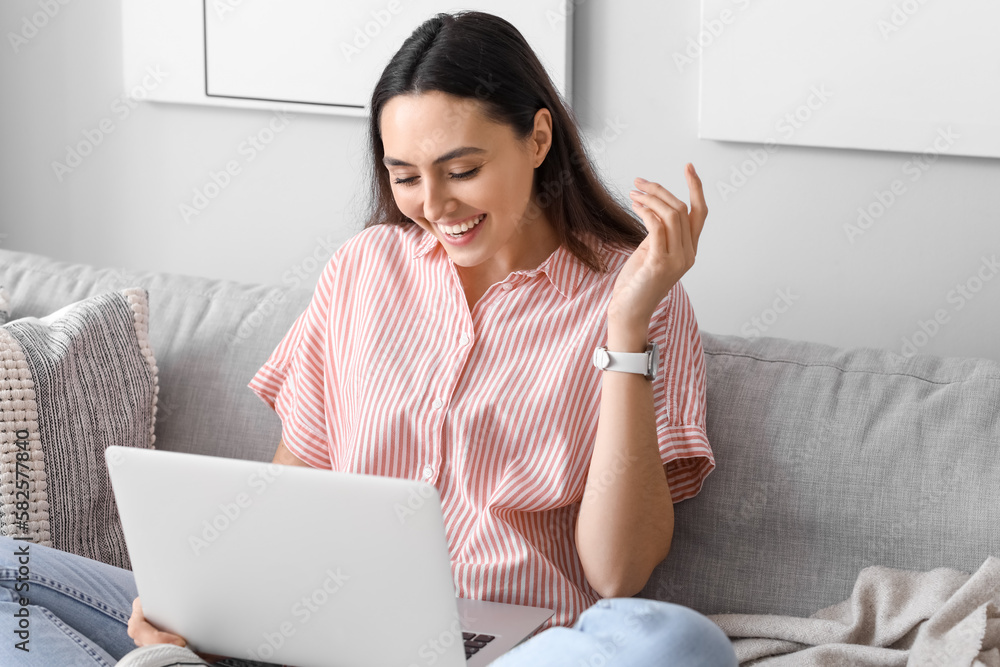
(828, 460)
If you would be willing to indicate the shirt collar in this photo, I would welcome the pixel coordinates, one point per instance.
(563, 269)
(427, 241)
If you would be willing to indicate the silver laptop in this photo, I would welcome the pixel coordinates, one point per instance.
(299, 566)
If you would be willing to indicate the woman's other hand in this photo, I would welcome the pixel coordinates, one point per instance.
(144, 633)
(666, 254)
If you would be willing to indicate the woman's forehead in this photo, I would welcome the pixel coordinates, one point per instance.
(431, 110)
(432, 126)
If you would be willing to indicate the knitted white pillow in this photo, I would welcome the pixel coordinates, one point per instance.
(71, 384)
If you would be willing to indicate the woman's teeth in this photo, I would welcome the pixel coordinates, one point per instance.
(458, 230)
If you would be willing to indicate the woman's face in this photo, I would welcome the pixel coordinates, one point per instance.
(449, 166)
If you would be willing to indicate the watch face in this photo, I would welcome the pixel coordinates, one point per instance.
(601, 358)
(654, 361)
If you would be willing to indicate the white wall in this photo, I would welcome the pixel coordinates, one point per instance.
(779, 233)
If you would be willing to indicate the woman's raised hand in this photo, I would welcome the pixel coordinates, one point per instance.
(666, 254)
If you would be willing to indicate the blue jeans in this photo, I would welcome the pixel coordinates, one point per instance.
(77, 613)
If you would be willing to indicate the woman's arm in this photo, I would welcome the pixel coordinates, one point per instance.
(626, 519)
(284, 456)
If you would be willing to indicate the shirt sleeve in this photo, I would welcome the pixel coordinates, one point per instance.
(679, 396)
(294, 379)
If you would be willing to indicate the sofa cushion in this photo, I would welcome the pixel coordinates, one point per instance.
(829, 461)
(210, 337)
(71, 384)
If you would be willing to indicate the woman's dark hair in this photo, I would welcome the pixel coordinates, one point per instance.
(476, 55)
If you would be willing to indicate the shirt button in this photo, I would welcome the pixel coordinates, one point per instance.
(464, 340)
(437, 403)
(507, 287)
(428, 472)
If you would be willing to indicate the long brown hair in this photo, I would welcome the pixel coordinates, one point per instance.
(480, 56)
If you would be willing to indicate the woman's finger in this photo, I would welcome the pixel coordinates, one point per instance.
(659, 191)
(644, 201)
(675, 237)
(656, 240)
(666, 212)
(144, 633)
(699, 208)
(657, 205)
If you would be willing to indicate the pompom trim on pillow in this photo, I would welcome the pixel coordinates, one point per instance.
(25, 511)
(139, 301)
(4, 306)
(20, 443)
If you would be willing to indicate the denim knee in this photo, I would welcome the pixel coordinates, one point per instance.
(8, 555)
(9, 561)
(655, 628)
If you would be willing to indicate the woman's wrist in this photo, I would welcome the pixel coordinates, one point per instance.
(627, 334)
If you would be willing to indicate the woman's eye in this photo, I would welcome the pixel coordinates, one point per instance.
(467, 174)
(411, 180)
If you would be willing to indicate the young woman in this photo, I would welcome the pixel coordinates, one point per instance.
(453, 340)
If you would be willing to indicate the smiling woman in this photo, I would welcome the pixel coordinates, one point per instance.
(462, 82)
(454, 340)
(473, 198)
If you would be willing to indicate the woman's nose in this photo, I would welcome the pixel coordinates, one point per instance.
(437, 201)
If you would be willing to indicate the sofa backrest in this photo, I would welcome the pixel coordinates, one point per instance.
(828, 461)
(209, 338)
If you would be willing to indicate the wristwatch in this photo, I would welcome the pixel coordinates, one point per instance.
(643, 363)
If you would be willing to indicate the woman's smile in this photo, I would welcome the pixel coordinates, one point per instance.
(462, 232)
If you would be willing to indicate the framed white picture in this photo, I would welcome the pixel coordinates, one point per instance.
(899, 75)
(315, 56)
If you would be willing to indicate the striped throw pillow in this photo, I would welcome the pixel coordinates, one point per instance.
(71, 384)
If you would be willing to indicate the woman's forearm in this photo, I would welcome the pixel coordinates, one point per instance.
(626, 519)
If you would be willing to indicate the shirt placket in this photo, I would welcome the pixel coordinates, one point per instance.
(458, 351)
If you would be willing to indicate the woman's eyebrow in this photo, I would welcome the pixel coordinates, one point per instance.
(450, 155)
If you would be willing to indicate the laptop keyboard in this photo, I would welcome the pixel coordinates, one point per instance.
(474, 642)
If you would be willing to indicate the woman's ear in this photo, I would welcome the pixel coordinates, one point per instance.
(541, 136)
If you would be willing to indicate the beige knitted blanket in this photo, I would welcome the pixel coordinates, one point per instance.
(903, 618)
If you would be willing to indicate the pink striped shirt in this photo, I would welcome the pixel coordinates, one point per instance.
(388, 373)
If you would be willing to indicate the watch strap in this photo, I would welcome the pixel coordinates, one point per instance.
(640, 363)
